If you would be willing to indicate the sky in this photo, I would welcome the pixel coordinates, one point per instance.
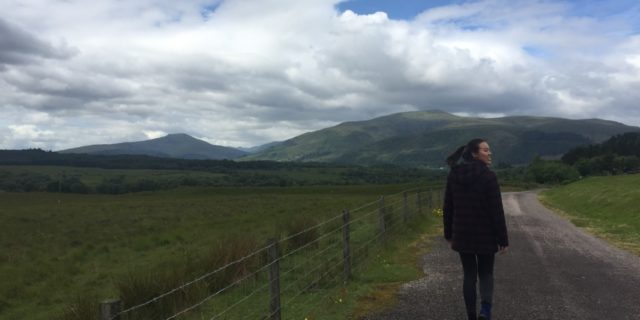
(242, 73)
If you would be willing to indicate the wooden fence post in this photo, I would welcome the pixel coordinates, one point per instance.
(405, 208)
(109, 309)
(274, 280)
(346, 254)
(381, 215)
(419, 202)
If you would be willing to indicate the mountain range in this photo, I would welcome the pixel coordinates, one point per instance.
(420, 138)
(425, 138)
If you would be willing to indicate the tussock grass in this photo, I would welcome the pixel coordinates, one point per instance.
(300, 232)
(83, 307)
(139, 286)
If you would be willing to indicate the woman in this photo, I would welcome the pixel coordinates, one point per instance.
(474, 223)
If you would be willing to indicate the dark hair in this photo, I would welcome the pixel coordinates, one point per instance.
(466, 152)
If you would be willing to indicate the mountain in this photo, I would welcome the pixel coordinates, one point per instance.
(425, 138)
(178, 145)
(260, 147)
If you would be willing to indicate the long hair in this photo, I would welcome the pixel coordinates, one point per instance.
(465, 152)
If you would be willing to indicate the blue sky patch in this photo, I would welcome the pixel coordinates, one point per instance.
(207, 10)
(398, 9)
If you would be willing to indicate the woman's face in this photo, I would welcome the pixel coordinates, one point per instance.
(484, 153)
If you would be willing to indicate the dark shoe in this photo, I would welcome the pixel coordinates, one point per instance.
(485, 311)
(472, 316)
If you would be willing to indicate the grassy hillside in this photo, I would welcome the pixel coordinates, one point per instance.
(607, 206)
(59, 248)
(427, 137)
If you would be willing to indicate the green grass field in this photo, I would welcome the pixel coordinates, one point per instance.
(607, 206)
(58, 249)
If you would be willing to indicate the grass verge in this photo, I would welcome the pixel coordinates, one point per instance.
(604, 206)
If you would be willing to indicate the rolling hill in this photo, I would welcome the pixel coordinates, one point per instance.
(179, 145)
(425, 138)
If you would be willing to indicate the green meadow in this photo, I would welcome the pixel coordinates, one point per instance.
(66, 251)
(608, 206)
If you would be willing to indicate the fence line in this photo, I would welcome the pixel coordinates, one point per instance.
(354, 257)
(190, 282)
(224, 289)
(368, 242)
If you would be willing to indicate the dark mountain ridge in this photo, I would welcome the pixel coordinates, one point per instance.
(180, 145)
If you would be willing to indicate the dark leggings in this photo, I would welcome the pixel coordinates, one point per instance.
(477, 266)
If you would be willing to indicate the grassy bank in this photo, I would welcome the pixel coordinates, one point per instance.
(61, 248)
(606, 206)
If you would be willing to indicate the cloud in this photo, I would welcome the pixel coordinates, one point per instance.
(18, 46)
(242, 73)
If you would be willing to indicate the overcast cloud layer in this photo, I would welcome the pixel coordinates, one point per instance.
(247, 72)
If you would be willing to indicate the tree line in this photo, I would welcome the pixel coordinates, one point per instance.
(228, 173)
(620, 154)
(50, 158)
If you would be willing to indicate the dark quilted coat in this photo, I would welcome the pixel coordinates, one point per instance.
(473, 215)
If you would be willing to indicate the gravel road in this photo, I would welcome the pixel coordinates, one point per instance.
(552, 270)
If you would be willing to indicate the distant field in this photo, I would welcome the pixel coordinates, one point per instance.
(607, 206)
(58, 247)
(69, 179)
(93, 176)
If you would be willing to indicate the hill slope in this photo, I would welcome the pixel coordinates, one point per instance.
(606, 206)
(171, 146)
(427, 137)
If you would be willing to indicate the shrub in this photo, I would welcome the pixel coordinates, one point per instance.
(551, 172)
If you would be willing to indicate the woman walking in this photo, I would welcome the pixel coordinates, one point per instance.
(474, 223)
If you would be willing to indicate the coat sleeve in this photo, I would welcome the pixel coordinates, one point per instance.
(496, 211)
(447, 209)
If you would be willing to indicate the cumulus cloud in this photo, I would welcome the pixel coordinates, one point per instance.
(245, 72)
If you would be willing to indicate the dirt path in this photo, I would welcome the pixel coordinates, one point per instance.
(553, 270)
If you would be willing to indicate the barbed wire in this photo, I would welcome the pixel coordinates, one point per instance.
(376, 237)
(189, 283)
(300, 292)
(225, 289)
(254, 253)
(332, 246)
(403, 191)
(242, 300)
(320, 266)
(293, 282)
(365, 205)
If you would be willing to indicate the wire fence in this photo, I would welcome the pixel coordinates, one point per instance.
(289, 277)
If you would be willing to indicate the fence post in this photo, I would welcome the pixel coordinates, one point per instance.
(405, 208)
(274, 280)
(419, 202)
(381, 215)
(346, 254)
(430, 199)
(109, 309)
